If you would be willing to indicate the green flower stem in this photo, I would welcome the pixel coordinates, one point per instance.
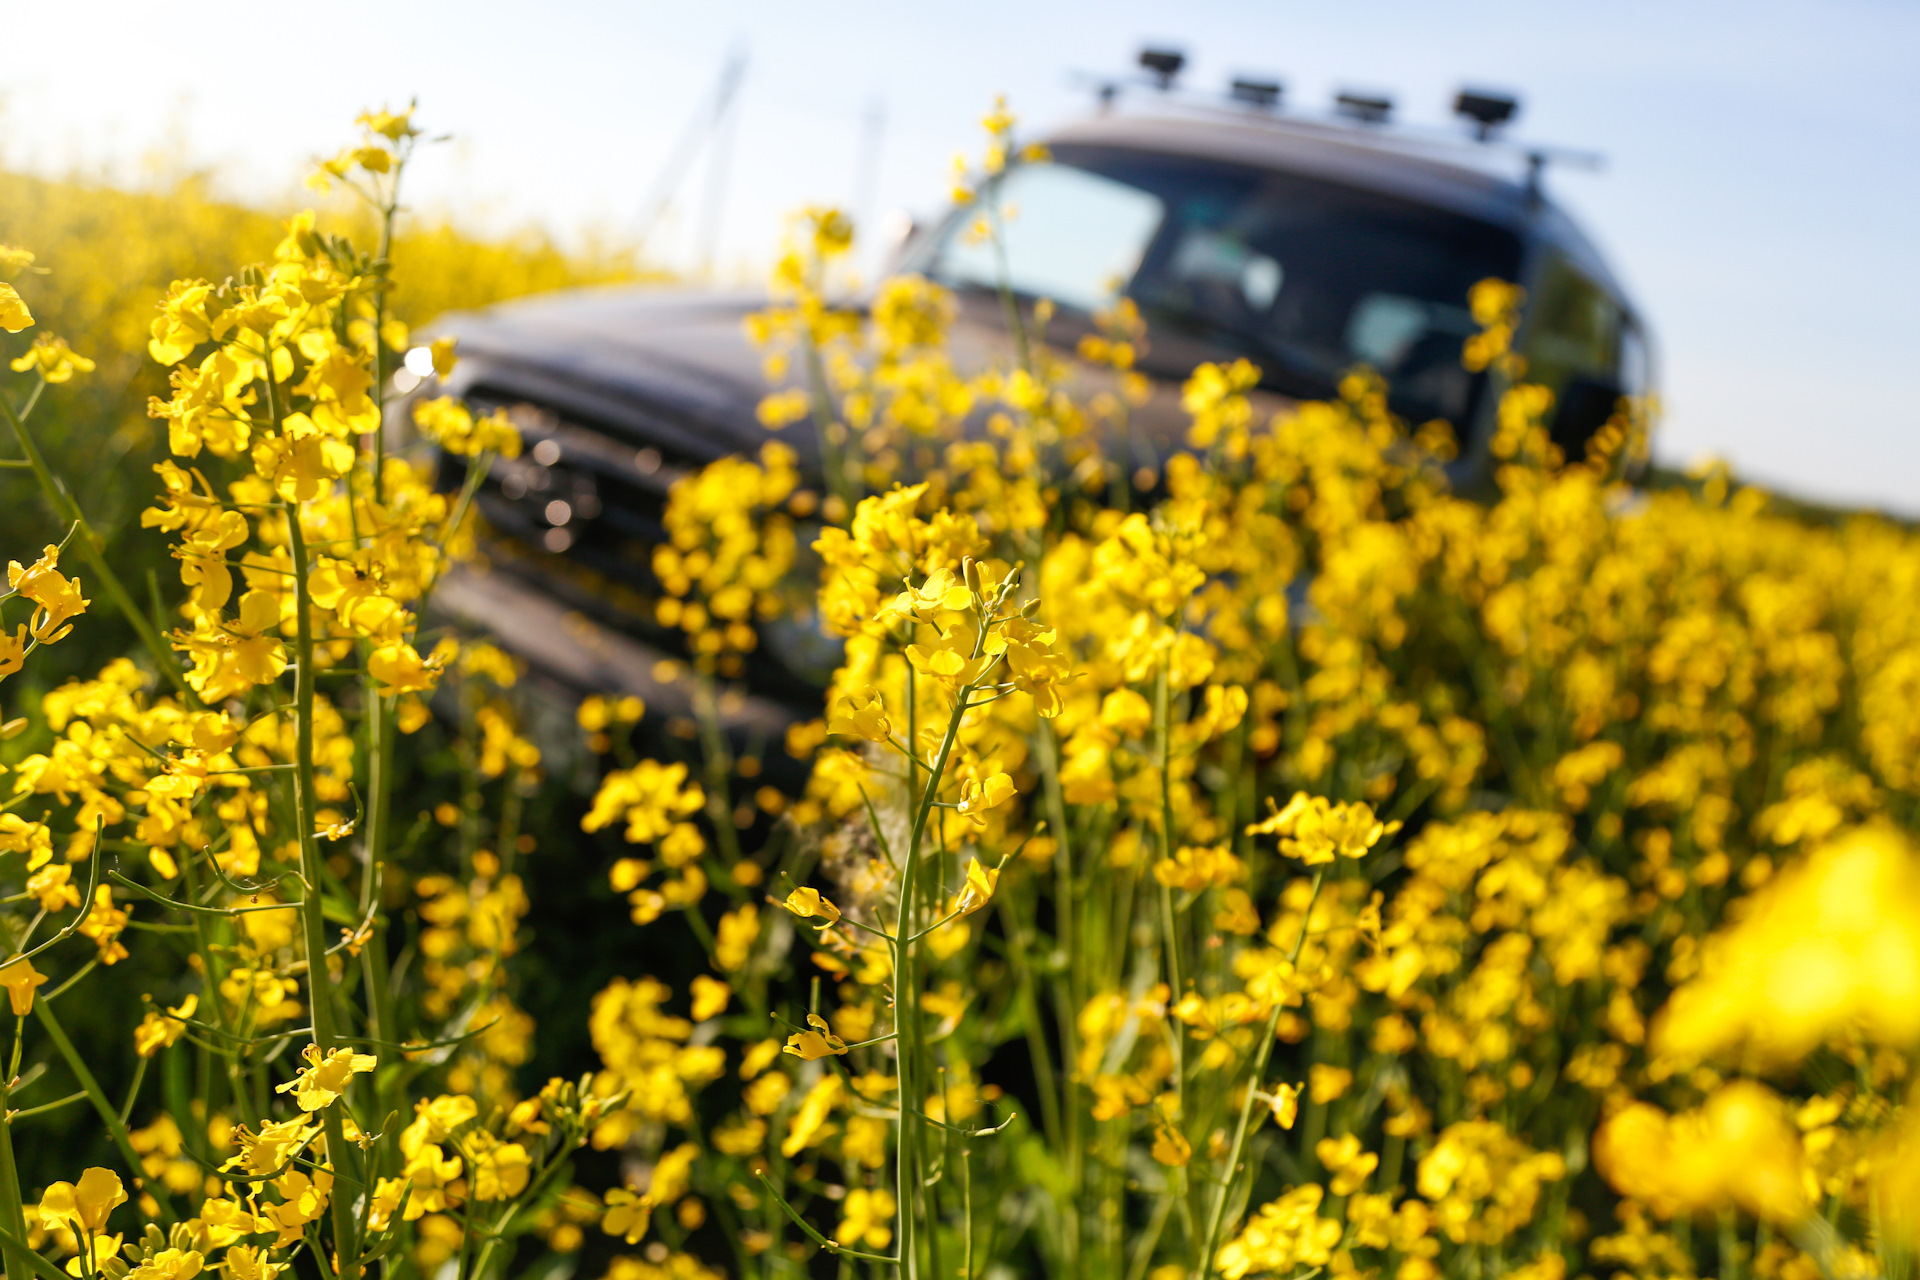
(14, 1244)
(1729, 1246)
(1169, 923)
(502, 1231)
(312, 917)
(68, 512)
(1145, 1245)
(906, 1004)
(133, 1090)
(812, 1234)
(109, 1116)
(1163, 731)
(13, 1218)
(966, 1209)
(381, 732)
(314, 933)
(380, 726)
(719, 760)
(1204, 1263)
(55, 1105)
(1019, 935)
(382, 264)
(1069, 987)
(374, 974)
(912, 753)
(820, 408)
(211, 967)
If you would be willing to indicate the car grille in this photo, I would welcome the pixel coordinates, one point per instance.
(579, 513)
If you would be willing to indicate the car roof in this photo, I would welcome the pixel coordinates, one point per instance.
(1373, 159)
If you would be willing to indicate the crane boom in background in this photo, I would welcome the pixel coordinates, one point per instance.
(710, 125)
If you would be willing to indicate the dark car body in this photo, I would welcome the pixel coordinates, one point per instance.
(1306, 247)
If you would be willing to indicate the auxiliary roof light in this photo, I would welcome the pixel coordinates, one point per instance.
(1165, 64)
(1263, 94)
(1488, 111)
(1365, 108)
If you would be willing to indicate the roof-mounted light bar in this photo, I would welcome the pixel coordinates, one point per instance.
(1261, 94)
(1366, 108)
(1488, 111)
(1163, 64)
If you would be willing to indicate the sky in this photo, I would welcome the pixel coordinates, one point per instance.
(1758, 197)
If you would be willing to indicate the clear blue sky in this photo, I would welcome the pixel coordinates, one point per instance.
(1760, 195)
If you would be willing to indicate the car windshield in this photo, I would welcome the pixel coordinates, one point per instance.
(1307, 278)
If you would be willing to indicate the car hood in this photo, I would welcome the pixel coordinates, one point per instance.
(667, 368)
(674, 370)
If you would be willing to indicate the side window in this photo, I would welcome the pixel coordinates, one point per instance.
(1574, 328)
(1573, 347)
(1069, 235)
(1636, 361)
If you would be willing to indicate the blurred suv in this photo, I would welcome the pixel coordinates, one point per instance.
(1308, 247)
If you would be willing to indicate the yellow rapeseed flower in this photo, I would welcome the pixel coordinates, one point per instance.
(1832, 944)
(21, 980)
(627, 1215)
(56, 361)
(811, 904)
(157, 1032)
(57, 597)
(1315, 829)
(978, 890)
(325, 1077)
(1739, 1148)
(861, 714)
(866, 1218)
(86, 1203)
(1286, 1105)
(982, 794)
(14, 315)
(710, 996)
(818, 1042)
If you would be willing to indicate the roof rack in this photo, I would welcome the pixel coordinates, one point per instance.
(1366, 117)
